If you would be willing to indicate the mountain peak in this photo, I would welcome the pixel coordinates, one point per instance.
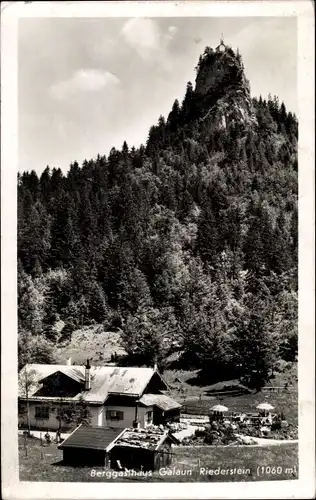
(218, 69)
(222, 88)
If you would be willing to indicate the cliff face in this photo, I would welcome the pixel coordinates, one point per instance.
(223, 90)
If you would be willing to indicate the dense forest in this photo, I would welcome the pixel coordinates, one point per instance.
(188, 243)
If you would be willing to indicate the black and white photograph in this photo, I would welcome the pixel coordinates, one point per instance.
(157, 260)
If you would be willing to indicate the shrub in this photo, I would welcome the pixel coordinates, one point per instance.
(67, 331)
(113, 321)
(276, 425)
(199, 433)
(219, 435)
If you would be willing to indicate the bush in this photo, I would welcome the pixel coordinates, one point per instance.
(199, 433)
(221, 435)
(276, 425)
(113, 321)
(289, 348)
(67, 331)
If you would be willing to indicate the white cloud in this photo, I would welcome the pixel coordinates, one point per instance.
(142, 34)
(83, 80)
(173, 30)
(170, 34)
(145, 36)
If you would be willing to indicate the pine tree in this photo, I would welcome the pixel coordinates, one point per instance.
(174, 116)
(208, 237)
(97, 303)
(253, 347)
(187, 108)
(133, 291)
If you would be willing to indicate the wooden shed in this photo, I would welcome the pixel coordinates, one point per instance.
(142, 449)
(86, 446)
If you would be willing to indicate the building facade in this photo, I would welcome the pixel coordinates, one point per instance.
(61, 396)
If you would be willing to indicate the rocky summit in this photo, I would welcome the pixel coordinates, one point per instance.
(222, 90)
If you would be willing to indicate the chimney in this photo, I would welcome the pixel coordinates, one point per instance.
(155, 364)
(155, 367)
(87, 382)
(69, 362)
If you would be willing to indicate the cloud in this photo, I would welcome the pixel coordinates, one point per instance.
(172, 30)
(83, 80)
(145, 36)
(169, 35)
(142, 34)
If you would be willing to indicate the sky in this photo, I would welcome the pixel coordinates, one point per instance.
(87, 84)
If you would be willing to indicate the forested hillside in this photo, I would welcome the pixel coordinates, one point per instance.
(186, 244)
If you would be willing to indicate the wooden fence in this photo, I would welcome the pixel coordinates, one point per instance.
(274, 388)
(194, 410)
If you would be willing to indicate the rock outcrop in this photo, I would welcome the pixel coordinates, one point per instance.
(222, 91)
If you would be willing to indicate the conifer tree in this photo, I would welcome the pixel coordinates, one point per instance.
(253, 347)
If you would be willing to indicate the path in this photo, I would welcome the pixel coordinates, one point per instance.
(250, 440)
(188, 432)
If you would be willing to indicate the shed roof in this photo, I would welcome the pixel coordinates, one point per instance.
(92, 438)
(105, 380)
(150, 438)
(162, 401)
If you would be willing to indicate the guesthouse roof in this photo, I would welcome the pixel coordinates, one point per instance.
(105, 380)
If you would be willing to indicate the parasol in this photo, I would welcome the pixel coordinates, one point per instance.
(219, 408)
(265, 406)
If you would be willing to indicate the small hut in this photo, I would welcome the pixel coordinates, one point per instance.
(88, 445)
(142, 449)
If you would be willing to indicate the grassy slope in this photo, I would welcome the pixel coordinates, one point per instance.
(41, 464)
(91, 342)
(286, 402)
(191, 394)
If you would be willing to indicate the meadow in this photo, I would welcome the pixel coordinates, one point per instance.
(44, 463)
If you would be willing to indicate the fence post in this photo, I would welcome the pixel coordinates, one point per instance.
(25, 446)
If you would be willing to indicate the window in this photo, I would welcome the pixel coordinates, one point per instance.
(42, 412)
(114, 415)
